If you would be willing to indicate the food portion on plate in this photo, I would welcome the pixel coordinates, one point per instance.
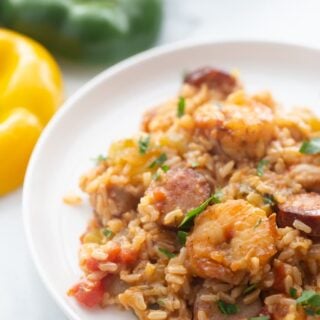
(212, 211)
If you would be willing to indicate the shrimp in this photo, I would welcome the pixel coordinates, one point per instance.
(230, 240)
(246, 130)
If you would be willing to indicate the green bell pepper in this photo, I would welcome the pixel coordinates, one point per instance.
(91, 30)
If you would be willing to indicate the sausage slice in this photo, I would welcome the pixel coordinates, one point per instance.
(181, 188)
(215, 79)
(113, 201)
(303, 207)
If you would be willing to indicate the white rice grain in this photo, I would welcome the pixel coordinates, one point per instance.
(157, 315)
(299, 225)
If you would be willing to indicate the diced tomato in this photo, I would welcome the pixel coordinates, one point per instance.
(279, 275)
(128, 256)
(158, 195)
(88, 294)
(92, 264)
(113, 252)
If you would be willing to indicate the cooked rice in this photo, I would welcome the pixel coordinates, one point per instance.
(131, 254)
(301, 226)
(72, 199)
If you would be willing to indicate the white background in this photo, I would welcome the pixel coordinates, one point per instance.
(22, 295)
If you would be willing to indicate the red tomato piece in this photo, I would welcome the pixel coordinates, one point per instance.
(128, 256)
(92, 264)
(88, 294)
(114, 252)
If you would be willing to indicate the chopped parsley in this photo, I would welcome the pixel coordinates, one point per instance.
(269, 200)
(100, 158)
(107, 233)
(161, 302)
(144, 144)
(194, 164)
(250, 288)
(181, 107)
(218, 195)
(215, 198)
(156, 176)
(260, 318)
(227, 308)
(311, 147)
(260, 167)
(257, 223)
(293, 293)
(165, 168)
(309, 298)
(159, 161)
(167, 253)
(182, 237)
(310, 312)
(310, 301)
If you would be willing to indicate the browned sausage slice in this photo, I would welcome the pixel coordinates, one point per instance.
(212, 311)
(113, 201)
(181, 188)
(303, 207)
(217, 80)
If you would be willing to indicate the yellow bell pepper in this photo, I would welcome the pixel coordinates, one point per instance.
(30, 93)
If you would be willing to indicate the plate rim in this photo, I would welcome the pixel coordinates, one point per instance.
(70, 103)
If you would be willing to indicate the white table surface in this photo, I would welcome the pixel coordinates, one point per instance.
(22, 294)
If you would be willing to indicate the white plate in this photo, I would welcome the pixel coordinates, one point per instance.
(109, 107)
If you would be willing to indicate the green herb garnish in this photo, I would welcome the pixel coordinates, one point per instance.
(161, 302)
(269, 199)
(144, 144)
(309, 312)
(260, 167)
(293, 293)
(194, 164)
(215, 198)
(107, 233)
(165, 168)
(159, 161)
(257, 223)
(181, 107)
(218, 195)
(156, 176)
(227, 308)
(182, 237)
(167, 253)
(260, 318)
(311, 147)
(250, 288)
(100, 158)
(310, 301)
(310, 298)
